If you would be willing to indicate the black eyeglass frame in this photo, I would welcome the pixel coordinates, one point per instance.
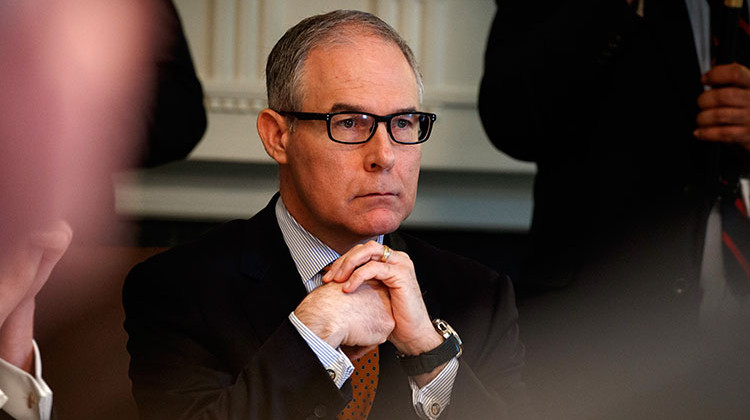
(317, 116)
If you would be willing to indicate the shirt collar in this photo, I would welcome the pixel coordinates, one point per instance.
(310, 255)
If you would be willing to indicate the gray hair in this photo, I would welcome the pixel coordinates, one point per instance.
(284, 68)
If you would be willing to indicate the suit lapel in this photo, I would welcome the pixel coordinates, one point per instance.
(270, 287)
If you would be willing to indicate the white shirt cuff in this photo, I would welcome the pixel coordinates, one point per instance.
(22, 396)
(431, 400)
(335, 362)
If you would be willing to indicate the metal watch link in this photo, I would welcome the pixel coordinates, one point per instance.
(426, 362)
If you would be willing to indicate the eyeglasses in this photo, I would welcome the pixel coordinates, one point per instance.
(359, 127)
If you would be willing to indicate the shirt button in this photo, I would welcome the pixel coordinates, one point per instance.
(33, 400)
(331, 373)
(435, 409)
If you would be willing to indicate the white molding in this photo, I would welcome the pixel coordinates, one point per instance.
(248, 41)
(388, 11)
(231, 97)
(433, 59)
(224, 52)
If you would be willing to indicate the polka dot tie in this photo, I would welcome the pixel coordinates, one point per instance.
(364, 384)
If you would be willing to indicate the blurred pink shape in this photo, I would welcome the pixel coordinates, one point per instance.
(74, 75)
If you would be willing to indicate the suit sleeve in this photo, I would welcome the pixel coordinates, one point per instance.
(480, 305)
(545, 63)
(489, 383)
(178, 374)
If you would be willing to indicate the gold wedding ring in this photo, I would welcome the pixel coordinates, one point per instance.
(386, 254)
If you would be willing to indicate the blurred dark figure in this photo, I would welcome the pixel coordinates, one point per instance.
(176, 117)
(631, 130)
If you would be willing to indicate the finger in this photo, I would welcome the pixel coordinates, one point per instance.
(335, 267)
(373, 270)
(391, 275)
(370, 271)
(725, 97)
(723, 116)
(728, 74)
(727, 134)
(343, 267)
(53, 241)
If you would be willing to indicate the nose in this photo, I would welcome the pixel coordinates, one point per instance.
(380, 150)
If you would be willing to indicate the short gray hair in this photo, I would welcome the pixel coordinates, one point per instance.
(285, 62)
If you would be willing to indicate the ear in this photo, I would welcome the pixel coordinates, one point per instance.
(274, 133)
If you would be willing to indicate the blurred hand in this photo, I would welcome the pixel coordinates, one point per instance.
(26, 266)
(725, 108)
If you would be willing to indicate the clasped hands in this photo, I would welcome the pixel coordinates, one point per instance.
(725, 108)
(365, 301)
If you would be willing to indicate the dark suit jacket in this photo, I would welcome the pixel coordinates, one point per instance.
(210, 335)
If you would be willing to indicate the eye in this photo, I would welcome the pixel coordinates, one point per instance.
(350, 122)
(347, 123)
(402, 123)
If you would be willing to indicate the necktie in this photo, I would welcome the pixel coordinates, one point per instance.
(731, 42)
(735, 237)
(730, 32)
(364, 384)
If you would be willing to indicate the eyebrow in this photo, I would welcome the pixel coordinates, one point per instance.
(343, 107)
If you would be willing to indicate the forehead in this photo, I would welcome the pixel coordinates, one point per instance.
(364, 71)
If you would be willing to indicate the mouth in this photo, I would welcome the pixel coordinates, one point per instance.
(378, 194)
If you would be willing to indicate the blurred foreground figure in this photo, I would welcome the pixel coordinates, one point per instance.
(637, 138)
(73, 75)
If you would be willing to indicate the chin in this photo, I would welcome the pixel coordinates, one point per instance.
(382, 222)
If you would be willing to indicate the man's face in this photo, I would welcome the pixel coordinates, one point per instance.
(345, 193)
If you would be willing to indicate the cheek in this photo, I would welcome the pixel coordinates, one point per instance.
(410, 171)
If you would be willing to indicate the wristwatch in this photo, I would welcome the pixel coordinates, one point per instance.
(426, 362)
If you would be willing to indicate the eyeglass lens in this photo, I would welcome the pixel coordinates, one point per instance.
(355, 128)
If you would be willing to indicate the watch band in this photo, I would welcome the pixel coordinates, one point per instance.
(426, 362)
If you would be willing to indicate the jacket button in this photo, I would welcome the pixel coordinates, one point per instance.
(680, 286)
(320, 411)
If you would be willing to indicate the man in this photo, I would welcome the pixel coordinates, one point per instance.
(245, 324)
(617, 103)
